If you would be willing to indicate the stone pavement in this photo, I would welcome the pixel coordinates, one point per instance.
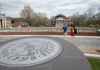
(67, 57)
(88, 44)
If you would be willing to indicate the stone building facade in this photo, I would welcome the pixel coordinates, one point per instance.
(60, 19)
(2, 21)
(20, 23)
(15, 22)
(8, 22)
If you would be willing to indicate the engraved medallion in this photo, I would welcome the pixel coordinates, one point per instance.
(29, 51)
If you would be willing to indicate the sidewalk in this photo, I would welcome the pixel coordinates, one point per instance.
(87, 44)
(51, 36)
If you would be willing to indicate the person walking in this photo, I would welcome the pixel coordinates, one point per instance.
(72, 30)
(65, 29)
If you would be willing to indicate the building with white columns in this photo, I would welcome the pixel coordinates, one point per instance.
(60, 19)
(2, 21)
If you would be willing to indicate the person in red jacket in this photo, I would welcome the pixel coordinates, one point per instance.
(72, 30)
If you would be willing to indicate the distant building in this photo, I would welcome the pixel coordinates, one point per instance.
(20, 23)
(8, 22)
(16, 22)
(2, 21)
(60, 19)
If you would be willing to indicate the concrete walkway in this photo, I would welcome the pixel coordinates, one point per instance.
(87, 44)
(26, 54)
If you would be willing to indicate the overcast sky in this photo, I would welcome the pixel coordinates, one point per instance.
(50, 7)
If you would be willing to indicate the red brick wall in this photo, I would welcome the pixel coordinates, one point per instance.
(47, 33)
(19, 23)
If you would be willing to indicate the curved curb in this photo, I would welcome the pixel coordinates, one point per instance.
(96, 56)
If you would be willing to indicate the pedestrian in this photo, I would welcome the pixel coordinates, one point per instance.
(65, 29)
(72, 30)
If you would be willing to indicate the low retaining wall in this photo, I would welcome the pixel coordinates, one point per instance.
(47, 33)
(98, 33)
(47, 29)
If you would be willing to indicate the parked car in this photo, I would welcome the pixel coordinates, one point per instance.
(91, 25)
(19, 26)
(9, 27)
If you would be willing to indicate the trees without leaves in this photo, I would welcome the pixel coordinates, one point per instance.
(28, 14)
(33, 18)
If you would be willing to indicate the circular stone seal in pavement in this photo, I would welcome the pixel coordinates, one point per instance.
(41, 53)
(29, 51)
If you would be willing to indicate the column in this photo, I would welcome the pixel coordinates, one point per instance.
(4, 23)
(1, 23)
(53, 22)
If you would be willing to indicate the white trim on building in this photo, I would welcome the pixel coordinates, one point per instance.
(2, 21)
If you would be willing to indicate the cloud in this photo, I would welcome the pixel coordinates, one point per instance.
(94, 3)
(50, 7)
(77, 7)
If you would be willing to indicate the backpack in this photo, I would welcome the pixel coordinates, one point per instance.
(75, 30)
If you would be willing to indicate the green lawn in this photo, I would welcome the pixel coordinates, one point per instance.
(5, 29)
(95, 64)
(97, 28)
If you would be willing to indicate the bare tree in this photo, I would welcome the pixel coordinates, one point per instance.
(43, 19)
(78, 19)
(98, 14)
(28, 14)
(0, 8)
(33, 18)
(98, 17)
(90, 16)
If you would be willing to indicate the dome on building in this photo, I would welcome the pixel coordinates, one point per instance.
(60, 15)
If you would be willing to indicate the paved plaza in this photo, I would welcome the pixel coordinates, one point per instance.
(87, 44)
(40, 53)
(82, 42)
